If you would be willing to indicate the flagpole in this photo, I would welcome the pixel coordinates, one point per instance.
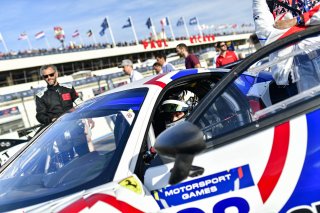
(80, 38)
(29, 43)
(106, 38)
(200, 30)
(4, 43)
(153, 29)
(94, 38)
(171, 29)
(185, 27)
(47, 42)
(134, 31)
(111, 33)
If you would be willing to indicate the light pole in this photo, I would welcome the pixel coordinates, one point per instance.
(33, 92)
(24, 108)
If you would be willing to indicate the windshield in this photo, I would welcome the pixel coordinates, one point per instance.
(79, 151)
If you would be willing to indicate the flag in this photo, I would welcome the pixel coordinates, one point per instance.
(23, 36)
(180, 22)
(104, 26)
(222, 26)
(102, 32)
(193, 21)
(39, 35)
(164, 21)
(59, 33)
(89, 33)
(149, 23)
(75, 34)
(230, 46)
(127, 24)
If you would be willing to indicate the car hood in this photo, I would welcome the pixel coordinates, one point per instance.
(126, 195)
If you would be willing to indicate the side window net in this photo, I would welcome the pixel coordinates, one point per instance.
(230, 111)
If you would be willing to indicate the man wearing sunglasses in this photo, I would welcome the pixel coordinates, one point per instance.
(226, 56)
(56, 98)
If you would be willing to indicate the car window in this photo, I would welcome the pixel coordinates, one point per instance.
(190, 91)
(80, 148)
(229, 111)
(286, 78)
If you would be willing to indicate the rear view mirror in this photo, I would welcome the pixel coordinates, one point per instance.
(181, 142)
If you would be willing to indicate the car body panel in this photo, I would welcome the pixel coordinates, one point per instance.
(252, 161)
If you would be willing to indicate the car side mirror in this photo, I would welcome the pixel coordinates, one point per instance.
(181, 142)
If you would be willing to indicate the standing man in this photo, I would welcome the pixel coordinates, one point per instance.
(275, 20)
(166, 67)
(157, 68)
(191, 61)
(226, 56)
(127, 66)
(55, 99)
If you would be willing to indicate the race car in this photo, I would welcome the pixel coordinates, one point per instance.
(246, 144)
(8, 147)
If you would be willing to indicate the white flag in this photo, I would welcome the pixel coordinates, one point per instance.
(23, 36)
(3, 42)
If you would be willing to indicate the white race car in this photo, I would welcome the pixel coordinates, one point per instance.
(248, 145)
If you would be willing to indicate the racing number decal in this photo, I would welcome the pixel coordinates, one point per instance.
(241, 204)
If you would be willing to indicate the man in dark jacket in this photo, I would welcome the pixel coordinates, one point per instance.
(56, 99)
(51, 103)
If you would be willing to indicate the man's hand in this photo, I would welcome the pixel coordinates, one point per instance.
(285, 24)
(91, 123)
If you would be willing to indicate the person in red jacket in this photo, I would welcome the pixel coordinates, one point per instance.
(226, 56)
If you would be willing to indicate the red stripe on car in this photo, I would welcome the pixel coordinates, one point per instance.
(277, 159)
(93, 199)
(155, 81)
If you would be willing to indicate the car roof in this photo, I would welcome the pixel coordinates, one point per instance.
(163, 79)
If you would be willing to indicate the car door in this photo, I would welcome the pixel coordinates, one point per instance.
(261, 145)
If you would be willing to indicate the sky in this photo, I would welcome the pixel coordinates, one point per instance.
(31, 17)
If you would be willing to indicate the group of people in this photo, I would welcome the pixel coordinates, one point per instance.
(273, 21)
(57, 98)
(191, 61)
(161, 65)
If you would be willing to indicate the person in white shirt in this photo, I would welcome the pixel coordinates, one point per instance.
(275, 20)
(166, 67)
(127, 66)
